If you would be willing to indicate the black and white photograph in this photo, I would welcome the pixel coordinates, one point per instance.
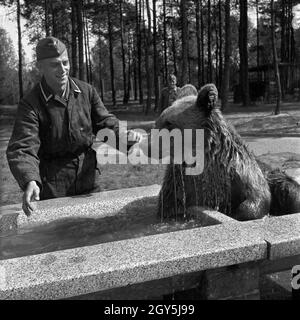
(150, 153)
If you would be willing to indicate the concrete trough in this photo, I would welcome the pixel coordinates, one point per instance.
(180, 258)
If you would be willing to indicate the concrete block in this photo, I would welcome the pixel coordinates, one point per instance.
(233, 282)
(8, 223)
(282, 235)
(74, 272)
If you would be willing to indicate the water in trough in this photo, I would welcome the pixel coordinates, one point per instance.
(137, 219)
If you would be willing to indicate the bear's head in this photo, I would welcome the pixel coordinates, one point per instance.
(191, 112)
(200, 112)
(188, 112)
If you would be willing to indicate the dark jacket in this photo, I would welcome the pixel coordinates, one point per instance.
(52, 138)
(167, 97)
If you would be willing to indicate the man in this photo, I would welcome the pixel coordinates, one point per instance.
(168, 94)
(50, 151)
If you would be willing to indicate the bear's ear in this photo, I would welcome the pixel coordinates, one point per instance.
(187, 90)
(207, 98)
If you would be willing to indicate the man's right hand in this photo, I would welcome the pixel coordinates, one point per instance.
(32, 193)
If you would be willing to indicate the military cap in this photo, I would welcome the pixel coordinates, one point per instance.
(49, 47)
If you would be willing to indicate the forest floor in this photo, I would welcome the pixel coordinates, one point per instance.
(258, 121)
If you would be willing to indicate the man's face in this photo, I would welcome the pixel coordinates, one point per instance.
(172, 81)
(56, 71)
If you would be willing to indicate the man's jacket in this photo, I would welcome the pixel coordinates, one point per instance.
(52, 138)
(167, 97)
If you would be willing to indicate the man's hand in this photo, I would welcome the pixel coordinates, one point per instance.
(130, 136)
(32, 193)
(134, 136)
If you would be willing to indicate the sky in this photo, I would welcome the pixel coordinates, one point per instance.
(8, 21)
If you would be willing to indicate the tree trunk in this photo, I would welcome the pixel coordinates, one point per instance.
(289, 19)
(257, 36)
(139, 45)
(20, 49)
(125, 96)
(166, 71)
(217, 44)
(292, 38)
(85, 47)
(130, 62)
(202, 42)
(197, 3)
(54, 23)
(47, 29)
(226, 78)
(155, 64)
(173, 43)
(135, 71)
(111, 57)
(221, 45)
(74, 40)
(292, 51)
(80, 39)
(275, 59)
(184, 39)
(100, 70)
(88, 50)
(283, 30)
(135, 76)
(209, 62)
(135, 54)
(243, 49)
(188, 55)
(284, 40)
(147, 47)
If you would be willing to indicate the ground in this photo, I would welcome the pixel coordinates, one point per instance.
(259, 122)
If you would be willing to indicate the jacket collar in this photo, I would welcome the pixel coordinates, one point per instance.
(74, 86)
(45, 90)
(48, 94)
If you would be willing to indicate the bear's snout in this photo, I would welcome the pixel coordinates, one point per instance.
(212, 96)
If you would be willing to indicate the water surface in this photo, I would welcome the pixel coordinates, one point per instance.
(137, 219)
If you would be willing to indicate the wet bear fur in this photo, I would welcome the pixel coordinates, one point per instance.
(232, 181)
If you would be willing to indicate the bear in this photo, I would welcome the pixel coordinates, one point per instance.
(285, 191)
(232, 181)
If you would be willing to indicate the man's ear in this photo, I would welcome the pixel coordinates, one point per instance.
(39, 66)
